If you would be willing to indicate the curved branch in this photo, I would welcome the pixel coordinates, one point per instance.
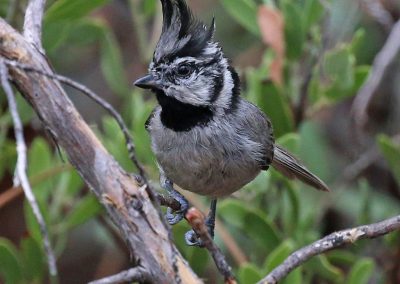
(127, 203)
(329, 242)
(382, 61)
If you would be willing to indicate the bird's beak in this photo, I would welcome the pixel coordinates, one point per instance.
(147, 82)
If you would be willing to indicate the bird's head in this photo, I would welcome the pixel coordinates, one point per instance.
(188, 67)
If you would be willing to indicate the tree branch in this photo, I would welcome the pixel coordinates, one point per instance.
(127, 203)
(21, 177)
(103, 103)
(196, 220)
(33, 23)
(382, 61)
(137, 274)
(329, 242)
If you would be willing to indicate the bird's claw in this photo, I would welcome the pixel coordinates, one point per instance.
(175, 217)
(192, 239)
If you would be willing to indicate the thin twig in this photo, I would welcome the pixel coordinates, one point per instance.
(382, 62)
(33, 23)
(379, 13)
(85, 90)
(20, 173)
(329, 242)
(230, 243)
(137, 274)
(196, 220)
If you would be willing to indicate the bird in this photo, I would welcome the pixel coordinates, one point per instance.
(206, 138)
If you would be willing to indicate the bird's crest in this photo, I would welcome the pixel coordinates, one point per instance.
(182, 34)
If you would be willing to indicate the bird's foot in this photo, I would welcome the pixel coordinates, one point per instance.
(174, 217)
(192, 239)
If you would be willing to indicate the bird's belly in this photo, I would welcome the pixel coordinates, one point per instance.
(207, 168)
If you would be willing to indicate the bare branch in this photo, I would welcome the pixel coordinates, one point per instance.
(137, 274)
(196, 220)
(379, 13)
(381, 64)
(21, 177)
(107, 106)
(329, 242)
(33, 23)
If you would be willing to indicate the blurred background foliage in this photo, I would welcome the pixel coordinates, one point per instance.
(304, 82)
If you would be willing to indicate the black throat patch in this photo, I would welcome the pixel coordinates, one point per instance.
(180, 116)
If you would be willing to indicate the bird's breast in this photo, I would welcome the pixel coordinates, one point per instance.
(213, 160)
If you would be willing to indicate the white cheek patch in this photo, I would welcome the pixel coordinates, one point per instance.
(224, 98)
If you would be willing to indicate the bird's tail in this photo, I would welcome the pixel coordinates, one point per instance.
(292, 168)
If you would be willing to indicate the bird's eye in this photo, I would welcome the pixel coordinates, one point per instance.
(184, 70)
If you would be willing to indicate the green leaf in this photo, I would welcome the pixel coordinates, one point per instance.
(149, 7)
(253, 222)
(85, 209)
(24, 109)
(71, 9)
(111, 63)
(339, 66)
(40, 160)
(360, 76)
(341, 257)
(33, 260)
(291, 208)
(321, 266)
(294, 277)
(278, 255)
(198, 258)
(87, 31)
(10, 267)
(313, 11)
(361, 272)
(249, 273)
(314, 150)
(31, 223)
(294, 29)
(55, 34)
(244, 12)
(290, 142)
(391, 152)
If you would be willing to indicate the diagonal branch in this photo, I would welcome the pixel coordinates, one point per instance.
(196, 220)
(21, 177)
(329, 242)
(33, 23)
(382, 62)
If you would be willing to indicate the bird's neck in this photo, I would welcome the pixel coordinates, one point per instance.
(180, 116)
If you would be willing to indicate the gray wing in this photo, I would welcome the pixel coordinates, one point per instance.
(292, 168)
(258, 128)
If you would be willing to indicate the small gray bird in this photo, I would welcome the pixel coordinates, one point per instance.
(206, 138)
